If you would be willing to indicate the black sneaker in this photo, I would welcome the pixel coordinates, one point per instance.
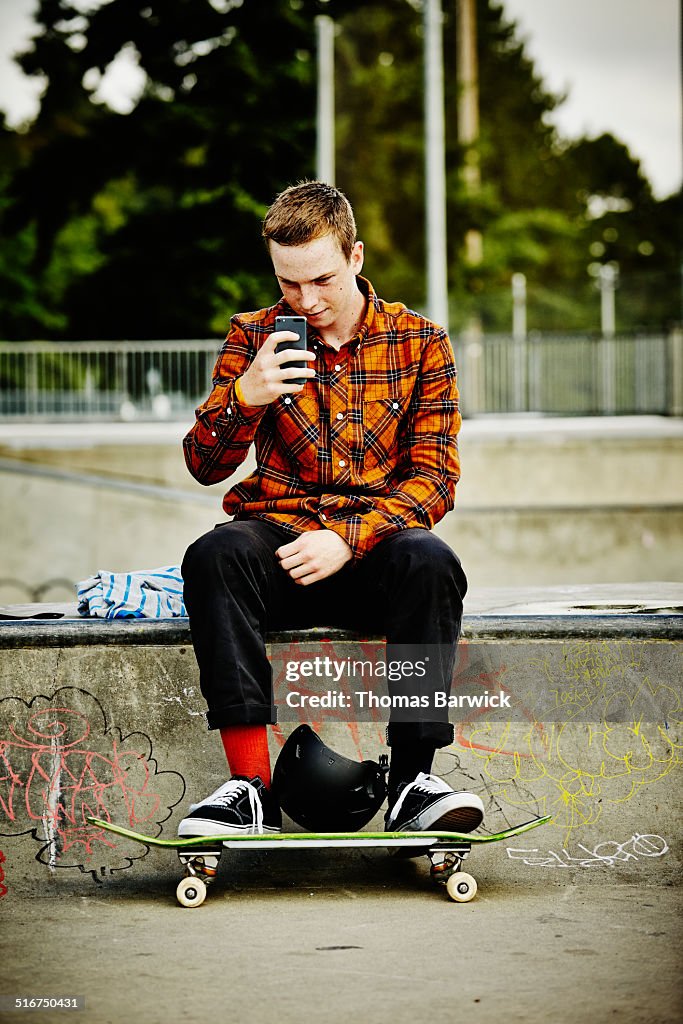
(429, 804)
(240, 806)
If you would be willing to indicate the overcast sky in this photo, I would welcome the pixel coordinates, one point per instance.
(618, 60)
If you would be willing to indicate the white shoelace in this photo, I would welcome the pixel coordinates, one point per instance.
(231, 791)
(424, 784)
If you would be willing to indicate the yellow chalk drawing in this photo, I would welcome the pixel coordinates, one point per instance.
(575, 769)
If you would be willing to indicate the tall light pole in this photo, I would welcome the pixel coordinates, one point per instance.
(435, 148)
(468, 112)
(468, 136)
(325, 169)
(435, 164)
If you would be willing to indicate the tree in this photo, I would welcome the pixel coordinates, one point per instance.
(147, 224)
(539, 194)
(380, 129)
(625, 225)
(170, 195)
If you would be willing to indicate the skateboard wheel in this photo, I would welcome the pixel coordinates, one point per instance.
(191, 892)
(461, 887)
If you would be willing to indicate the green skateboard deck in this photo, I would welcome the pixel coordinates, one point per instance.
(446, 851)
(318, 839)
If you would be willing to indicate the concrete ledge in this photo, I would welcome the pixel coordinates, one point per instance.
(67, 632)
(596, 611)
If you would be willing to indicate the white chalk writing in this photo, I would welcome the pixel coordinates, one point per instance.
(605, 854)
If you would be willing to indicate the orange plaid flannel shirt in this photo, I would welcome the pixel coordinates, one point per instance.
(368, 447)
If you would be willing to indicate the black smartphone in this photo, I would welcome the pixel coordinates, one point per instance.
(297, 325)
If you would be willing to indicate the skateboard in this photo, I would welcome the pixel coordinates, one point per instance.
(446, 851)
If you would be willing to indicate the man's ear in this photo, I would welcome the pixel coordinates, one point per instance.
(356, 259)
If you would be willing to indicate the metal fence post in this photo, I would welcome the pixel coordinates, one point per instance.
(607, 364)
(675, 372)
(31, 382)
(474, 390)
(535, 376)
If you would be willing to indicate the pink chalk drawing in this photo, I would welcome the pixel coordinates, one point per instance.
(60, 762)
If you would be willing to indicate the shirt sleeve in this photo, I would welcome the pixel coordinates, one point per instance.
(429, 464)
(225, 426)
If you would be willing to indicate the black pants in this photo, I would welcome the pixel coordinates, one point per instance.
(409, 587)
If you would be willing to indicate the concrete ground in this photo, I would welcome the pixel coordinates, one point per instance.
(287, 937)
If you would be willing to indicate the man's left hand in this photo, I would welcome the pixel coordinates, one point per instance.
(314, 556)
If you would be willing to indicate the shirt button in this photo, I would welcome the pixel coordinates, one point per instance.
(341, 463)
(213, 433)
(340, 415)
(338, 367)
(288, 400)
(394, 405)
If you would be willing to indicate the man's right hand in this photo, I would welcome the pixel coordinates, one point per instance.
(267, 379)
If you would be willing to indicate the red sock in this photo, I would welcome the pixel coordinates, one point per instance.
(246, 748)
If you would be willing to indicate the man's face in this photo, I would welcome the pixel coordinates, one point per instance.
(317, 281)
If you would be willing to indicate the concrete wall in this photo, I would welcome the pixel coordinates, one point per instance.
(540, 502)
(119, 732)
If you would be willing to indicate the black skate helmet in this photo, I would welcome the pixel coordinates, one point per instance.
(324, 791)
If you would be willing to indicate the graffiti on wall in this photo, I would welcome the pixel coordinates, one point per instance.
(605, 854)
(61, 761)
(575, 769)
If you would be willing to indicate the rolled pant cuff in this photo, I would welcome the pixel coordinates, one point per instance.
(242, 714)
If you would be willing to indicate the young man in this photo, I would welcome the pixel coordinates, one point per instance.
(354, 467)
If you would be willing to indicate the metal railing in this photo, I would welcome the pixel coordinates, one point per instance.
(104, 380)
(566, 375)
(571, 375)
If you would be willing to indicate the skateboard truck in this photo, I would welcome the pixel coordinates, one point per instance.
(201, 867)
(446, 869)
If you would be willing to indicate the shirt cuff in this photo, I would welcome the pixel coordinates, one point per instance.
(245, 412)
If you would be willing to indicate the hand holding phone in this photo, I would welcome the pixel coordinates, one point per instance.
(268, 376)
(297, 325)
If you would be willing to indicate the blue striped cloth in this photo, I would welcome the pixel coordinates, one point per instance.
(142, 594)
